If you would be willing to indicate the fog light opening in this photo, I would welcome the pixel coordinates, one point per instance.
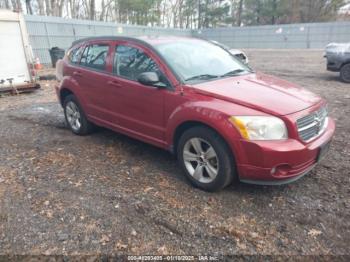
(280, 170)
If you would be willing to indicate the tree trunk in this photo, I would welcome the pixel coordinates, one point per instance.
(199, 14)
(92, 9)
(16, 5)
(258, 11)
(239, 13)
(55, 7)
(19, 6)
(60, 9)
(48, 7)
(7, 4)
(41, 7)
(103, 10)
(181, 18)
(274, 12)
(29, 7)
(71, 8)
(206, 18)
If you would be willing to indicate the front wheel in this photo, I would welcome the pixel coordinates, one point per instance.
(345, 73)
(206, 159)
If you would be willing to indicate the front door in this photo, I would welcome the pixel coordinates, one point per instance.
(137, 108)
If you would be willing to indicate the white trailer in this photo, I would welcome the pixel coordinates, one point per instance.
(17, 72)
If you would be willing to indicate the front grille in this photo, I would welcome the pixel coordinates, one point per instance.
(312, 125)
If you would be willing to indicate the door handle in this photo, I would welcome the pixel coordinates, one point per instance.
(77, 73)
(114, 83)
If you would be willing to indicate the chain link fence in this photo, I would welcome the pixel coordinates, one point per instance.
(292, 36)
(47, 32)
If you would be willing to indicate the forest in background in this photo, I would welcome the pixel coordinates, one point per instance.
(190, 14)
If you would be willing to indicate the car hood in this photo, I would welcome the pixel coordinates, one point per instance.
(338, 48)
(261, 92)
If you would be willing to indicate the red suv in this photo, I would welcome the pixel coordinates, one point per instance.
(222, 120)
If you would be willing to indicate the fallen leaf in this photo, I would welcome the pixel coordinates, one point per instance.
(104, 239)
(148, 189)
(314, 232)
(121, 246)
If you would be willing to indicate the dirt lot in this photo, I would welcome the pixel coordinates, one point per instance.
(107, 193)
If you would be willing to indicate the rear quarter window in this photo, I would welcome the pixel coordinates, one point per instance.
(75, 54)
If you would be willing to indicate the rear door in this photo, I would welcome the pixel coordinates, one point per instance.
(13, 63)
(91, 75)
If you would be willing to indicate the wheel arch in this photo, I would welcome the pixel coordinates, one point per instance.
(182, 127)
(345, 63)
(346, 80)
(64, 92)
(185, 125)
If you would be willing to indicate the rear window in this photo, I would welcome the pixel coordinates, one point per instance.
(94, 56)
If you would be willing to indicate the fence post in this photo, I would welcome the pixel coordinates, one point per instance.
(47, 34)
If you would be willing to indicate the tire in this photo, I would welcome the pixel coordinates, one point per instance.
(73, 111)
(345, 73)
(206, 163)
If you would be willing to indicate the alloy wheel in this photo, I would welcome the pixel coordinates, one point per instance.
(201, 160)
(73, 115)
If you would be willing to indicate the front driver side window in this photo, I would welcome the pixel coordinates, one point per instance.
(130, 62)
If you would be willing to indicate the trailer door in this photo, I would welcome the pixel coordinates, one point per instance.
(13, 62)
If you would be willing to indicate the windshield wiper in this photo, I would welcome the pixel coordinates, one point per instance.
(233, 72)
(203, 76)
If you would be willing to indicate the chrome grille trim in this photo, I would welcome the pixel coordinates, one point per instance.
(312, 125)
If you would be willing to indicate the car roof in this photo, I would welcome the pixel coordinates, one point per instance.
(150, 40)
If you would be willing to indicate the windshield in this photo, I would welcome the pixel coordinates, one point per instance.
(200, 60)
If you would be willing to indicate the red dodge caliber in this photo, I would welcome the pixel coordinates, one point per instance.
(223, 121)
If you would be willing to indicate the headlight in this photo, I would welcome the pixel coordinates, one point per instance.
(260, 127)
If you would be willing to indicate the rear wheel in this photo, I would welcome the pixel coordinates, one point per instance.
(75, 116)
(345, 73)
(205, 159)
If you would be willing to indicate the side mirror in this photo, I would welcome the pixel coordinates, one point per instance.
(148, 78)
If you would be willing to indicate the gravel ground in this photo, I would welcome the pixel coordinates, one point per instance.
(107, 193)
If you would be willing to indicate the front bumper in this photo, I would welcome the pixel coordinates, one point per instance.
(335, 61)
(280, 162)
(333, 67)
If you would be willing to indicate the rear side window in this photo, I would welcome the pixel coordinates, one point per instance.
(94, 56)
(130, 62)
(74, 55)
